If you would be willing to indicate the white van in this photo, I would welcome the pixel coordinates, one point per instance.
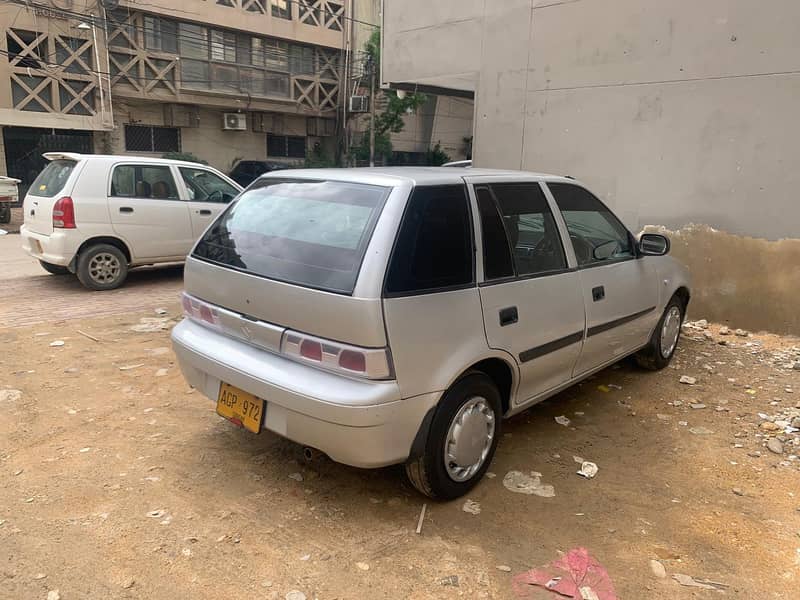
(97, 216)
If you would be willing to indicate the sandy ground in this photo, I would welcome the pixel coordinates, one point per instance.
(118, 481)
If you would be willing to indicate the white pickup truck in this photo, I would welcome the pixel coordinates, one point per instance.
(8, 196)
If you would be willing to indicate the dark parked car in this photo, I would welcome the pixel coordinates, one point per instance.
(246, 171)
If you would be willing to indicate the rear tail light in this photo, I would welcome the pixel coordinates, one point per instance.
(64, 213)
(371, 363)
(199, 311)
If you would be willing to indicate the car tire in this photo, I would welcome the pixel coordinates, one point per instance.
(5, 214)
(660, 349)
(102, 267)
(474, 401)
(54, 269)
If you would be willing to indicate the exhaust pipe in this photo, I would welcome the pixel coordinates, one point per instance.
(312, 454)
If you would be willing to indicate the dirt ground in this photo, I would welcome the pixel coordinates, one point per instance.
(118, 481)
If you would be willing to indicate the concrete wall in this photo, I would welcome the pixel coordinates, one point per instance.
(673, 112)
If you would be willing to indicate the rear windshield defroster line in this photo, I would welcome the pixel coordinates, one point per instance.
(312, 233)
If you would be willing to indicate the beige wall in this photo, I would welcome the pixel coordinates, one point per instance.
(673, 112)
(208, 141)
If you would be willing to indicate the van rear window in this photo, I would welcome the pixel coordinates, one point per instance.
(52, 179)
(306, 232)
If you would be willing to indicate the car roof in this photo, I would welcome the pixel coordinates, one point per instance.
(120, 157)
(389, 176)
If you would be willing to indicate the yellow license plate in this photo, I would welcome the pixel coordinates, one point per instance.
(240, 407)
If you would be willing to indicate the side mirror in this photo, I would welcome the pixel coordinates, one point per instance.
(653, 244)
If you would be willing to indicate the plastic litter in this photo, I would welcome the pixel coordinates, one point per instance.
(520, 483)
(562, 420)
(577, 575)
(588, 469)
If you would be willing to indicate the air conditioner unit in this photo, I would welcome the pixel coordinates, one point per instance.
(234, 122)
(359, 104)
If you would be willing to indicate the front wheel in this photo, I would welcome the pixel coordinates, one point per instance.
(102, 267)
(54, 269)
(659, 351)
(461, 441)
(5, 214)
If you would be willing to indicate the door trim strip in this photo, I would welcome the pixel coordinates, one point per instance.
(538, 351)
(617, 322)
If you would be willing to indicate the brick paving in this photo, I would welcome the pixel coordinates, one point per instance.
(29, 295)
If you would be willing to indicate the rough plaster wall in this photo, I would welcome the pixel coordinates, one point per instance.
(674, 112)
(743, 281)
(438, 42)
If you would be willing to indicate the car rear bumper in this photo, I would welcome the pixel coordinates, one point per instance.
(359, 423)
(58, 248)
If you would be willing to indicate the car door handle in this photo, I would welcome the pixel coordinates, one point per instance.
(598, 293)
(508, 316)
(125, 209)
(203, 211)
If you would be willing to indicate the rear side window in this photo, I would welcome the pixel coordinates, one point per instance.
(52, 179)
(531, 228)
(143, 181)
(496, 251)
(305, 232)
(433, 250)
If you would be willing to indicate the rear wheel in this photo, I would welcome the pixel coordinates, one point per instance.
(461, 441)
(54, 269)
(5, 214)
(102, 267)
(659, 351)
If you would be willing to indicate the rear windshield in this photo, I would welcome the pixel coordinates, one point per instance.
(310, 233)
(52, 180)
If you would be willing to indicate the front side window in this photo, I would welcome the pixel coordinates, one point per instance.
(205, 186)
(143, 181)
(497, 262)
(530, 227)
(433, 250)
(596, 234)
(304, 232)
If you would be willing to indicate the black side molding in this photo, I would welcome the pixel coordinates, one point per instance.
(617, 322)
(549, 347)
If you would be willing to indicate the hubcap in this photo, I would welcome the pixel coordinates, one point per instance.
(104, 268)
(469, 439)
(669, 331)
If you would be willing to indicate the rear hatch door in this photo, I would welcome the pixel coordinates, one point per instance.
(53, 182)
(288, 252)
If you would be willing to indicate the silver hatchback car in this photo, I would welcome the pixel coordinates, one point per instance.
(397, 315)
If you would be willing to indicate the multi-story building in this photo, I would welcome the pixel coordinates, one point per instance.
(220, 79)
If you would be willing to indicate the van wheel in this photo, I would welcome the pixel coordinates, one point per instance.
(659, 351)
(5, 214)
(102, 267)
(462, 439)
(54, 269)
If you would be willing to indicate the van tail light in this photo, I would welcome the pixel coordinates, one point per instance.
(199, 311)
(370, 363)
(64, 213)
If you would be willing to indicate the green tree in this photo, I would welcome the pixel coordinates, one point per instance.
(390, 119)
